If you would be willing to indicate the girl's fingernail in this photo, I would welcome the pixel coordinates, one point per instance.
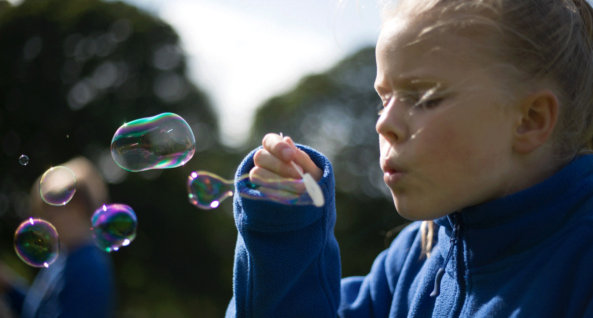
(287, 153)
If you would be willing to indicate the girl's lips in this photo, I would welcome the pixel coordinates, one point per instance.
(391, 177)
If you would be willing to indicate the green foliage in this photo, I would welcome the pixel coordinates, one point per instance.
(71, 73)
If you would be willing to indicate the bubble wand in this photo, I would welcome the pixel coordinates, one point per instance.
(310, 185)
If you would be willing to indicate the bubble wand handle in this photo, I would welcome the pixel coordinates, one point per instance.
(310, 185)
(297, 169)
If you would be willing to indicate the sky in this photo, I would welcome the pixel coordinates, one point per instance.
(244, 52)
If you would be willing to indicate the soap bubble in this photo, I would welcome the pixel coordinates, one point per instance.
(207, 190)
(283, 191)
(57, 186)
(23, 160)
(36, 242)
(114, 226)
(158, 142)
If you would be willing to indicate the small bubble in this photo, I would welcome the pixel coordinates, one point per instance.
(57, 186)
(23, 160)
(114, 226)
(36, 242)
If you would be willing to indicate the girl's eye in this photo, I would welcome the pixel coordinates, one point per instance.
(429, 103)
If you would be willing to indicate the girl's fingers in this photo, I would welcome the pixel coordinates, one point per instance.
(274, 144)
(269, 180)
(303, 160)
(266, 160)
(285, 151)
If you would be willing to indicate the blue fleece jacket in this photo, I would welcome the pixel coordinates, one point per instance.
(529, 254)
(79, 284)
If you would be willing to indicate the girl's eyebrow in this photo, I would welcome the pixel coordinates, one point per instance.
(418, 82)
(412, 83)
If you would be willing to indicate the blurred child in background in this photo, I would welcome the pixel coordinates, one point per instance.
(80, 283)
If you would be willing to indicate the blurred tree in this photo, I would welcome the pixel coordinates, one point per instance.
(335, 112)
(71, 73)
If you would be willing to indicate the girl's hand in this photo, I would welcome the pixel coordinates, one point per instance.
(272, 163)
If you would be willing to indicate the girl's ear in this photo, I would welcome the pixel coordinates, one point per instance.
(538, 114)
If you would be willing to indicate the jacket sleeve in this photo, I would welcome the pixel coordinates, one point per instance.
(287, 261)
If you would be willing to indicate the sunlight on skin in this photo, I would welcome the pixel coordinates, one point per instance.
(453, 139)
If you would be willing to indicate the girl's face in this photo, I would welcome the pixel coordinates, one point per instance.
(444, 143)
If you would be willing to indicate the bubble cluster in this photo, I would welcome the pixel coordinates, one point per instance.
(114, 226)
(158, 142)
(36, 242)
(23, 160)
(57, 186)
(207, 190)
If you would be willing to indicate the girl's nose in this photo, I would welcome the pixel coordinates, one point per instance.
(391, 123)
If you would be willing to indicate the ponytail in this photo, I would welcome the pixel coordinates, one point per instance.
(427, 237)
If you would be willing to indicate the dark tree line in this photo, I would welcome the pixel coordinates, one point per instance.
(73, 71)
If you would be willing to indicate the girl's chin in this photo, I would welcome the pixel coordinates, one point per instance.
(411, 216)
(414, 213)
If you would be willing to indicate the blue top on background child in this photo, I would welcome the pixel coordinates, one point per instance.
(485, 137)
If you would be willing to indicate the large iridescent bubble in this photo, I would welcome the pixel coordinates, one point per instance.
(114, 226)
(158, 142)
(207, 190)
(57, 186)
(36, 242)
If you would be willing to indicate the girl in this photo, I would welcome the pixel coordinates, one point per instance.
(485, 138)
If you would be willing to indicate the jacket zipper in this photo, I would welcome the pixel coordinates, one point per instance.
(453, 241)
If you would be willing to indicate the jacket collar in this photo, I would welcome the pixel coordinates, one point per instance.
(505, 227)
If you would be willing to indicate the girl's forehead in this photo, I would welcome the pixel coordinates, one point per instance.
(404, 50)
(419, 34)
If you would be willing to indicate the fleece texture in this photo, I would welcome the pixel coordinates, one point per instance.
(528, 254)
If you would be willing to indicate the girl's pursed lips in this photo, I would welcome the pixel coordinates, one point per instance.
(388, 166)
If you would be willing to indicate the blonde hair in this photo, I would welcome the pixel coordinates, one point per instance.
(546, 42)
(427, 233)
